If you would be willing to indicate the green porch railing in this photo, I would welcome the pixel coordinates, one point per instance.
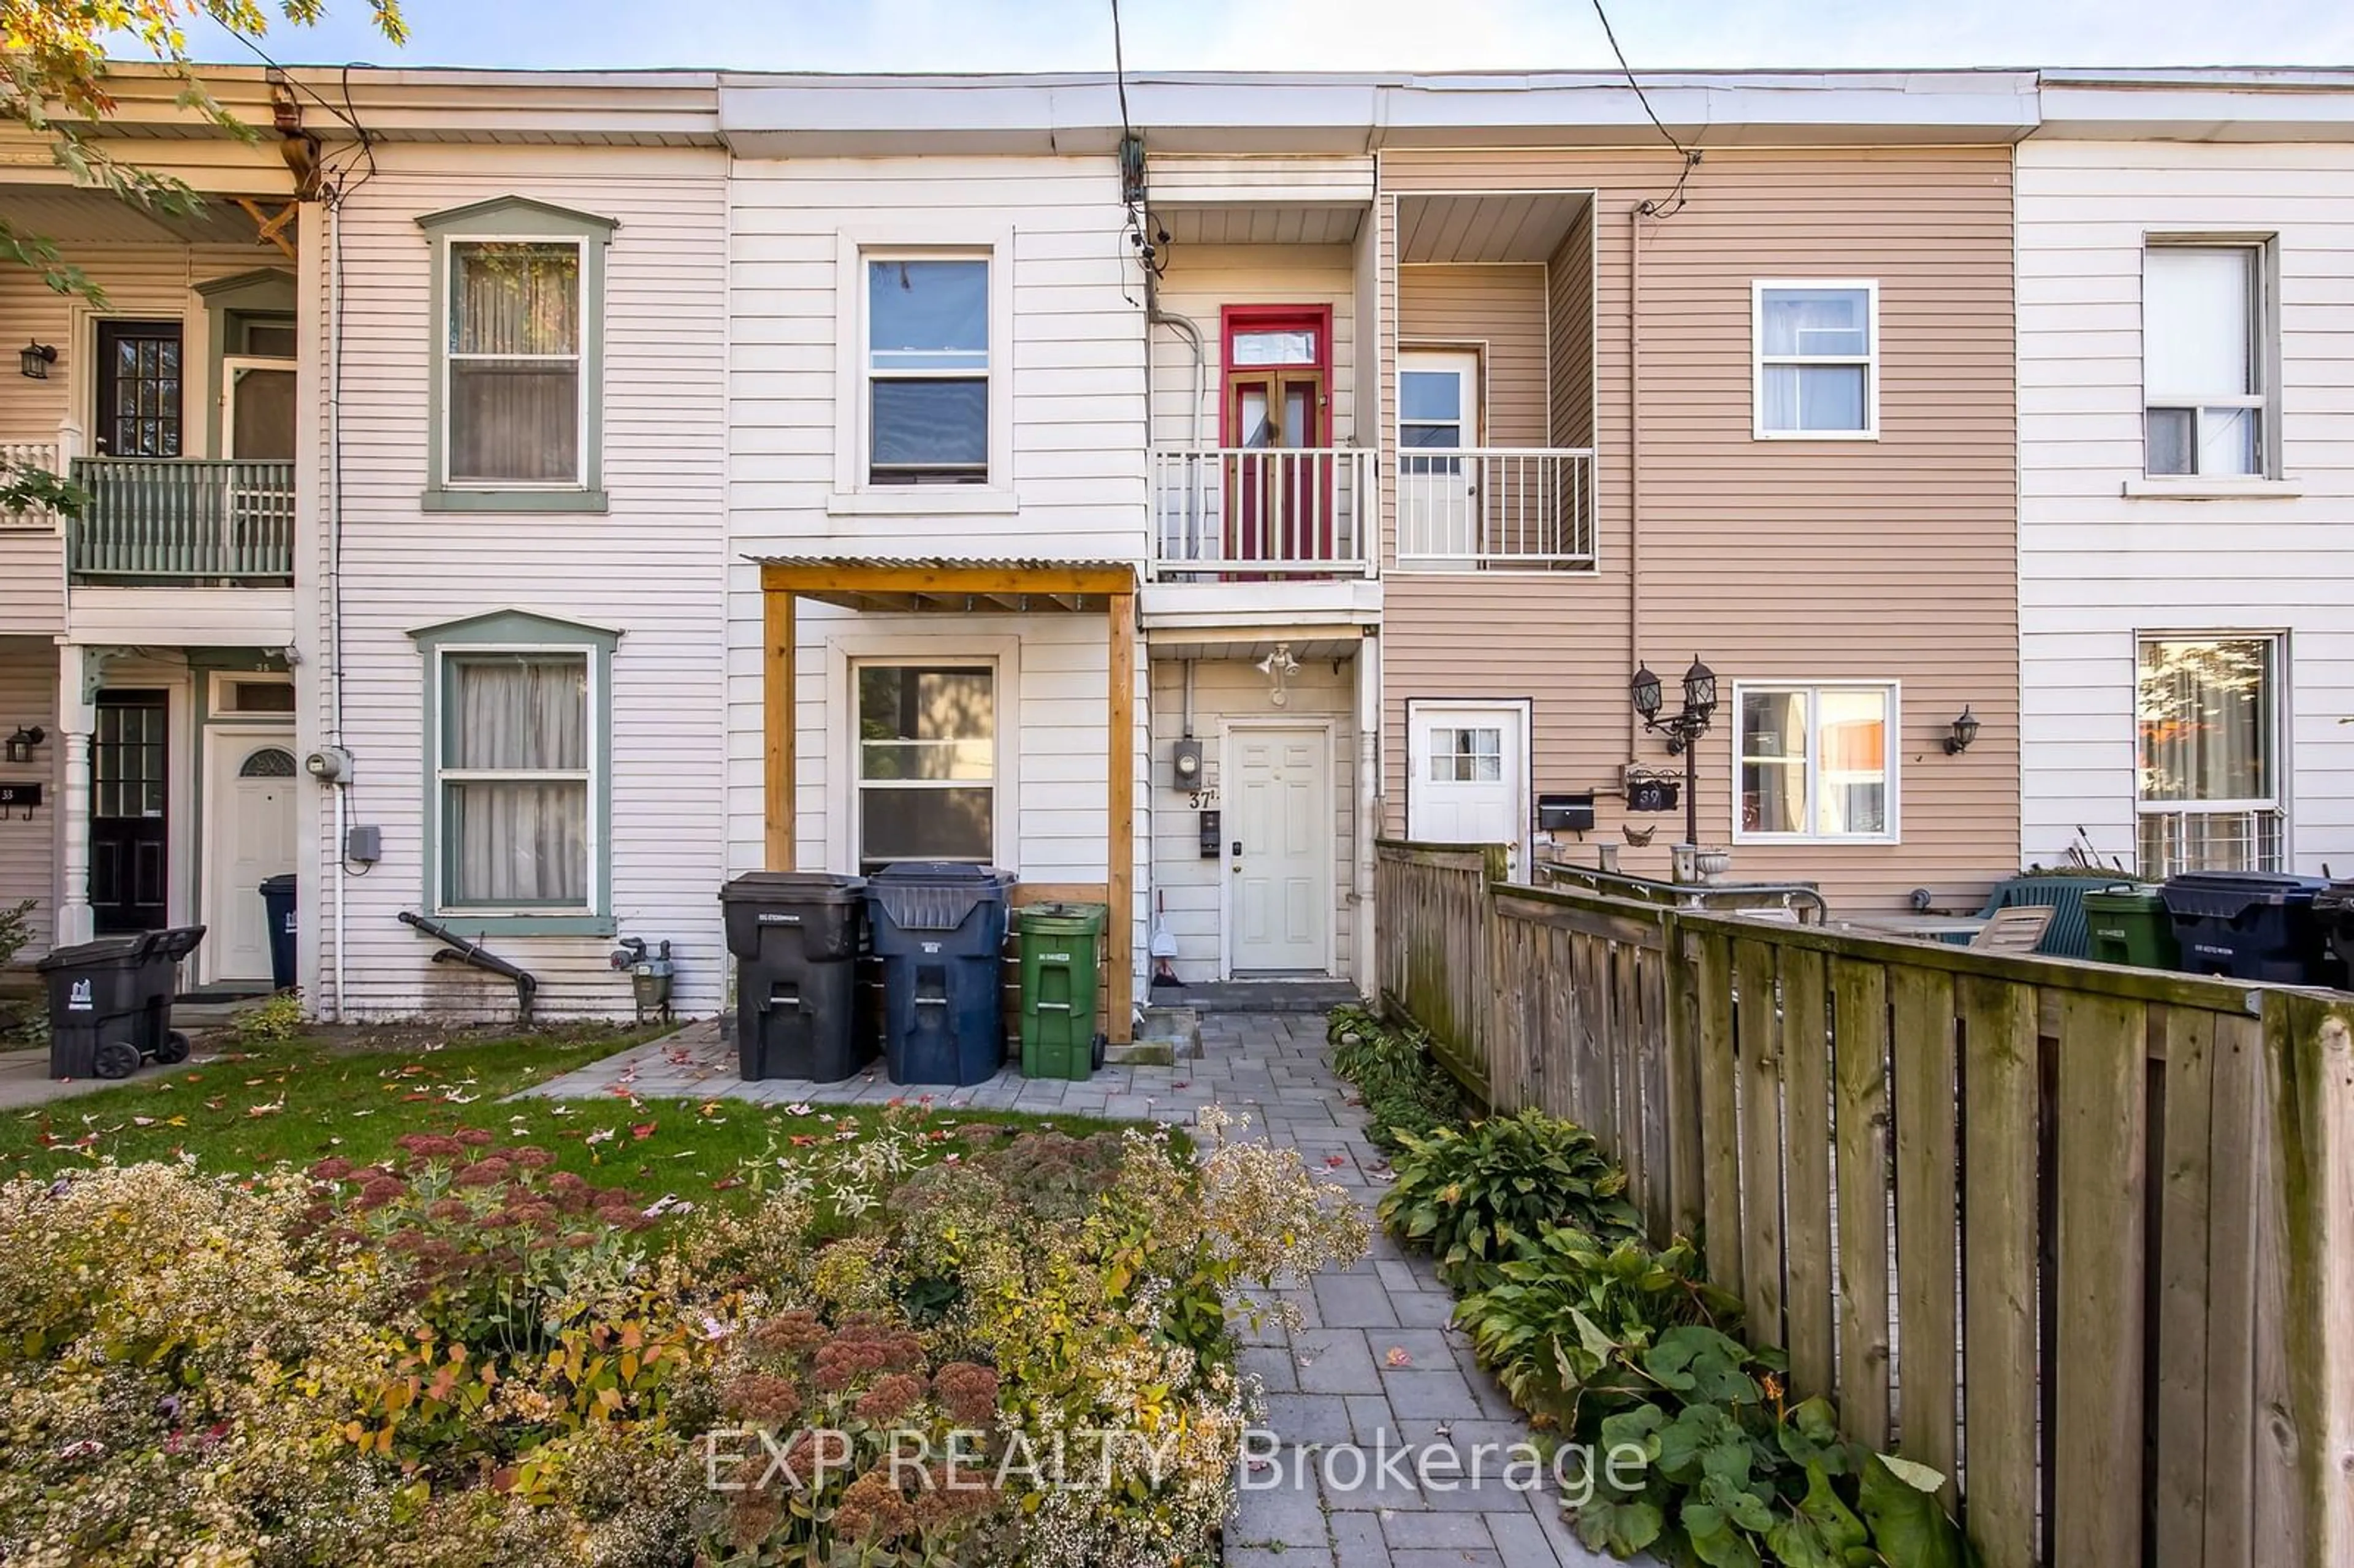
(183, 520)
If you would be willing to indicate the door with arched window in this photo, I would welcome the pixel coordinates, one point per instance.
(252, 780)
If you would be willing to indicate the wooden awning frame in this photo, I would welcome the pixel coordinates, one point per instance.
(978, 588)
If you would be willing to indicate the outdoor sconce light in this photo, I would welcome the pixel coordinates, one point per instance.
(1279, 667)
(34, 360)
(21, 744)
(1645, 688)
(1965, 731)
(1700, 688)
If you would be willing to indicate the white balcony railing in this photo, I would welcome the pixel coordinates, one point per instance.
(1240, 513)
(1495, 508)
(16, 455)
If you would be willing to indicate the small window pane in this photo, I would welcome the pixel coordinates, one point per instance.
(2228, 440)
(516, 843)
(515, 299)
(270, 340)
(2171, 434)
(927, 315)
(513, 420)
(1275, 347)
(1834, 322)
(1430, 394)
(926, 825)
(1774, 723)
(518, 713)
(260, 697)
(1851, 759)
(1773, 797)
(903, 707)
(1815, 397)
(2196, 318)
(931, 425)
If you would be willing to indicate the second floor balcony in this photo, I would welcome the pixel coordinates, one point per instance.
(169, 522)
(1495, 509)
(1257, 513)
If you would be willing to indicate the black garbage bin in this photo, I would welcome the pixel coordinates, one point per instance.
(2247, 925)
(797, 936)
(110, 1002)
(2333, 914)
(939, 930)
(278, 904)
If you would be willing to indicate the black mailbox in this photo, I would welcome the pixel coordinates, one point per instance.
(1210, 833)
(1566, 813)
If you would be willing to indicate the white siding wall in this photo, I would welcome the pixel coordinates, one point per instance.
(651, 568)
(28, 695)
(1074, 370)
(2096, 566)
(1189, 884)
(1203, 278)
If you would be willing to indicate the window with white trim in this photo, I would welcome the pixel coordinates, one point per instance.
(927, 370)
(927, 763)
(2206, 343)
(1467, 756)
(1817, 360)
(1816, 761)
(2207, 712)
(516, 775)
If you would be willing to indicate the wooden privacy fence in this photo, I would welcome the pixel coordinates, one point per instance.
(2077, 1235)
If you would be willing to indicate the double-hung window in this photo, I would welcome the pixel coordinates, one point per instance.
(2207, 712)
(927, 763)
(1817, 762)
(2205, 346)
(927, 370)
(516, 406)
(1817, 360)
(517, 721)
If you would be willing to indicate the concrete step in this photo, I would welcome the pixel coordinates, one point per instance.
(1164, 1036)
(1260, 996)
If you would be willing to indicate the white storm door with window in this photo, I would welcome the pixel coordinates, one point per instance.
(1279, 822)
(1471, 774)
(250, 794)
(1438, 500)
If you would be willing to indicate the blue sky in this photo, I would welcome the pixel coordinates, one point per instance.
(1333, 34)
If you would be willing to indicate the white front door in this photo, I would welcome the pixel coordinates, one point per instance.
(249, 814)
(1438, 411)
(1278, 826)
(1470, 774)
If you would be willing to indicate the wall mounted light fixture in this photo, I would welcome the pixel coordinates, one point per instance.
(1965, 731)
(21, 744)
(34, 360)
(1279, 667)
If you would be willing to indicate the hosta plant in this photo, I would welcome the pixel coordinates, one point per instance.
(1472, 1195)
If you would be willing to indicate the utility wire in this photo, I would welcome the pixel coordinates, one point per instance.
(1674, 201)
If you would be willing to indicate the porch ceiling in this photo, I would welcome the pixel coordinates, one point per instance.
(1309, 647)
(1262, 223)
(72, 217)
(1495, 226)
(883, 586)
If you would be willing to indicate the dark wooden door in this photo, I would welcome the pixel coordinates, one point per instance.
(139, 389)
(129, 835)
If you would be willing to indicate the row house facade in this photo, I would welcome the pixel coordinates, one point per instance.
(1160, 495)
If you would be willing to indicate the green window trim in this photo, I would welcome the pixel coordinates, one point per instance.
(520, 218)
(521, 632)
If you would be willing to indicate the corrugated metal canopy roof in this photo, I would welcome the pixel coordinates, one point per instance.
(933, 585)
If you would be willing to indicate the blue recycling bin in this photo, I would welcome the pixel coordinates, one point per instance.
(940, 929)
(278, 902)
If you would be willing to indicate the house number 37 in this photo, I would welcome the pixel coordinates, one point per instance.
(1204, 799)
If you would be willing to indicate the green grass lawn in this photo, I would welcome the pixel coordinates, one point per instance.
(304, 1100)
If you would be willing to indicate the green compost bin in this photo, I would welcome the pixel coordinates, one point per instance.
(1059, 944)
(2130, 926)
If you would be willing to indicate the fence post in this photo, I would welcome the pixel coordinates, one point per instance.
(2307, 1445)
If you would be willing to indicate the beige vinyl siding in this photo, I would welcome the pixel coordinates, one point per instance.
(1203, 279)
(28, 869)
(1569, 304)
(1189, 883)
(651, 568)
(2096, 566)
(1498, 311)
(1891, 560)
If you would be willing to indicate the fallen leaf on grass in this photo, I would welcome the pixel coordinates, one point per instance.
(602, 1135)
(643, 1129)
(272, 1109)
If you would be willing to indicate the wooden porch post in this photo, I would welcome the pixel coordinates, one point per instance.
(1120, 739)
(777, 706)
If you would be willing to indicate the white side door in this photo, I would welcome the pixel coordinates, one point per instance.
(1470, 782)
(1279, 825)
(1438, 500)
(249, 794)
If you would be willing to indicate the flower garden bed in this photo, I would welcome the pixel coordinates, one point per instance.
(892, 1339)
(1697, 1453)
